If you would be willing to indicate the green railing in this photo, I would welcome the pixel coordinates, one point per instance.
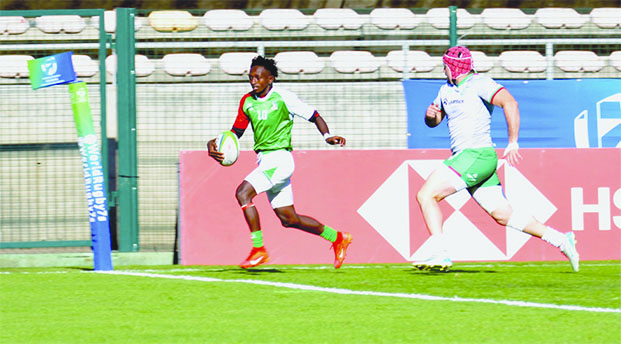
(152, 117)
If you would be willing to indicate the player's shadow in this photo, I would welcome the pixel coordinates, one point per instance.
(452, 271)
(238, 270)
(80, 268)
(261, 271)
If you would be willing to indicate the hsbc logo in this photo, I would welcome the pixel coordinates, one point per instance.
(471, 233)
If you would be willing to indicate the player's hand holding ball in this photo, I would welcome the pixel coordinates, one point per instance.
(224, 148)
(213, 150)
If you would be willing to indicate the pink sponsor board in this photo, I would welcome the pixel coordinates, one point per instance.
(372, 194)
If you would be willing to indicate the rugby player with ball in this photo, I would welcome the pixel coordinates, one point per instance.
(270, 110)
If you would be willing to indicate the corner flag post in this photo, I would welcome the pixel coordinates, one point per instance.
(93, 176)
(55, 70)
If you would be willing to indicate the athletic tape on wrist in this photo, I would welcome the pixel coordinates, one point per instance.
(326, 136)
(511, 146)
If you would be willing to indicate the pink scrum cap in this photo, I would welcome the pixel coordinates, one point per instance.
(459, 61)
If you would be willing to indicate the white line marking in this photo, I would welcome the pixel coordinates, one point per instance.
(369, 293)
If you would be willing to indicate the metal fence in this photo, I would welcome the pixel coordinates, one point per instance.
(190, 75)
(42, 195)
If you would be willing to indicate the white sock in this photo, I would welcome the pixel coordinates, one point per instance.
(437, 242)
(553, 237)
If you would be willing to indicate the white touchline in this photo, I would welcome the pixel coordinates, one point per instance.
(369, 293)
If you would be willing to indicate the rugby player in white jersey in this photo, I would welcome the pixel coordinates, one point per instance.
(270, 110)
(467, 101)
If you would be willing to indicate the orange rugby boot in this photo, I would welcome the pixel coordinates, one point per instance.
(340, 248)
(258, 256)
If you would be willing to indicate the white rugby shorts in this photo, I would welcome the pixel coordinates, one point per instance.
(273, 176)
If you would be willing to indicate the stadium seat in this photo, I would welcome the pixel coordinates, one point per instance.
(13, 25)
(60, 23)
(172, 21)
(336, 18)
(393, 18)
(144, 66)
(578, 61)
(440, 18)
(236, 63)
(111, 64)
(223, 20)
(606, 17)
(481, 62)
(523, 61)
(556, 18)
(293, 62)
(615, 59)
(14, 66)
(186, 64)
(505, 18)
(283, 19)
(84, 66)
(110, 22)
(417, 61)
(348, 61)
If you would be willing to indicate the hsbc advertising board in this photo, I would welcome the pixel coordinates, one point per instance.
(372, 195)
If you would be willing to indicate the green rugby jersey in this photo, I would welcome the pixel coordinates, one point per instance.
(271, 118)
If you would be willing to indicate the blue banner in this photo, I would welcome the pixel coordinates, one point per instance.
(570, 113)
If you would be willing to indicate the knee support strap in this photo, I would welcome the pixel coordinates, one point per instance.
(245, 206)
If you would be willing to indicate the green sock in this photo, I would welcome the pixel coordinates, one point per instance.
(257, 238)
(329, 234)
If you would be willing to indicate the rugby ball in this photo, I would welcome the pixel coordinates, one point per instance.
(227, 144)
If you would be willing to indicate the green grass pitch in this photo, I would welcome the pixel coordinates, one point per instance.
(541, 302)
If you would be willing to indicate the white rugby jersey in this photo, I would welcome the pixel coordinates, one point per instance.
(468, 107)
